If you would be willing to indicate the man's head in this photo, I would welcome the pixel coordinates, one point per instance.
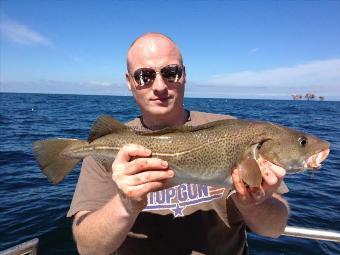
(156, 75)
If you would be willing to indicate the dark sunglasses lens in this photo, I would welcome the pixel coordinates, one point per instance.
(172, 73)
(144, 76)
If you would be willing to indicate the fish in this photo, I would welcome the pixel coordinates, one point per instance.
(204, 154)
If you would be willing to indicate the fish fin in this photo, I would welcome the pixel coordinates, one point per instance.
(231, 192)
(282, 189)
(105, 125)
(250, 172)
(105, 161)
(249, 169)
(215, 123)
(50, 155)
(183, 129)
(167, 130)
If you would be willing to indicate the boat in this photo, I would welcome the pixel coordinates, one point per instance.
(296, 97)
(27, 248)
(310, 96)
(31, 247)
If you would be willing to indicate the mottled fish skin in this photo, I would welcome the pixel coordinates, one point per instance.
(208, 153)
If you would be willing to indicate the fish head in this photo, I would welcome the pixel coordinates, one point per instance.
(293, 150)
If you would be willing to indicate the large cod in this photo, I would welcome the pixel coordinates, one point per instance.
(204, 154)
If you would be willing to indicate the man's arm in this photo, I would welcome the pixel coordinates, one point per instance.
(264, 211)
(103, 231)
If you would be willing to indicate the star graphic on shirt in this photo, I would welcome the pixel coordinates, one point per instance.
(178, 211)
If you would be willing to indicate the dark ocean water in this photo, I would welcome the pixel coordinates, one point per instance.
(31, 207)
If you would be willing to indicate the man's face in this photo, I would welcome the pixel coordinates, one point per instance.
(160, 97)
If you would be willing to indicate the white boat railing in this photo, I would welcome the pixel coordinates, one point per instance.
(26, 248)
(309, 233)
(31, 247)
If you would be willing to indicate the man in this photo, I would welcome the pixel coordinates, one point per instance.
(129, 211)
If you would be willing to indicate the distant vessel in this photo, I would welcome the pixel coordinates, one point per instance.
(308, 96)
(296, 97)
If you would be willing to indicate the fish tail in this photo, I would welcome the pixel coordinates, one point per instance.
(52, 157)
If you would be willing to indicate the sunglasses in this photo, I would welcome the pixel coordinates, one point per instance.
(146, 76)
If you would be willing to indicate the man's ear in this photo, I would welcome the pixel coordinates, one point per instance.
(128, 83)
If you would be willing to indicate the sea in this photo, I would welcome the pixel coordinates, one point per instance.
(31, 207)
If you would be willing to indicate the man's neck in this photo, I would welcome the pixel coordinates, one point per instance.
(157, 123)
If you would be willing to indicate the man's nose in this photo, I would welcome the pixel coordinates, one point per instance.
(159, 84)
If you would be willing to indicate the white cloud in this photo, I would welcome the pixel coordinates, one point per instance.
(20, 33)
(99, 83)
(65, 87)
(254, 50)
(316, 73)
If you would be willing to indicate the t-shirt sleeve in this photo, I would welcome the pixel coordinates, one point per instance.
(94, 189)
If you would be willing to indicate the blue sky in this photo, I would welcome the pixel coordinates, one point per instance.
(244, 49)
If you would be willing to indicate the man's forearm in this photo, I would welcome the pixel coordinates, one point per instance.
(268, 218)
(103, 231)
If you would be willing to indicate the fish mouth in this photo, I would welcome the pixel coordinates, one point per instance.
(263, 162)
(314, 161)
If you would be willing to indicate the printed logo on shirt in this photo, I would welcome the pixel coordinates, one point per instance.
(179, 197)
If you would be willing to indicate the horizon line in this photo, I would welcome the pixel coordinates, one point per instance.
(193, 97)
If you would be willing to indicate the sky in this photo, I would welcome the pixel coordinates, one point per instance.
(231, 49)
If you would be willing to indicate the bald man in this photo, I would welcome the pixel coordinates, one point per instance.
(132, 210)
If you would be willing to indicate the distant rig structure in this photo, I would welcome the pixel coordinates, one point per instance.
(308, 96)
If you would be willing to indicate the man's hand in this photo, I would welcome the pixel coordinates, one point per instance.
(136, 174)
(248, 197)
(264, 211)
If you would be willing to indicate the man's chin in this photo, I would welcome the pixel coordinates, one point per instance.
(160, 110)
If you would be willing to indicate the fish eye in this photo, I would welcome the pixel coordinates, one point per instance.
(303, 141)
